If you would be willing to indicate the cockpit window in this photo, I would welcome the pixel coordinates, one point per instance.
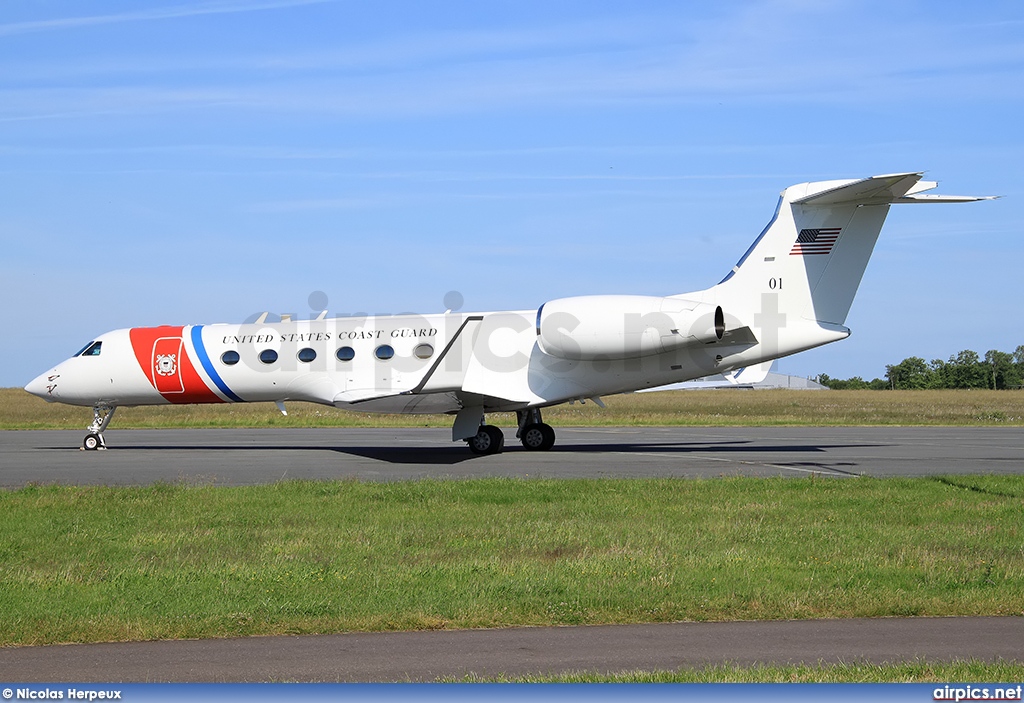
(82, 350)
(91, 349)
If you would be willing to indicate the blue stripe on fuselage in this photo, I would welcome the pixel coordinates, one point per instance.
(204, 359)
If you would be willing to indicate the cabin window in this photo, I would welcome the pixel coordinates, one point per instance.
(384, 352)
(306, 355)
(423, 351)
(91, 349)
(346, 354)
(268, 356)
(230, 357)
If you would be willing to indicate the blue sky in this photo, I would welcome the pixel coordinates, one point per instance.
(203, 161)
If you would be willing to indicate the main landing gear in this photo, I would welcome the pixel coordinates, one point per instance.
(101, 416)
(532, 432)
(489, 440)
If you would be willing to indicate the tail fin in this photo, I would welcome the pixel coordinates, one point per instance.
(808, 262)
(814, 251)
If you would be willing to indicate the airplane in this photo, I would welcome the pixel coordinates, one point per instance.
(791, 291)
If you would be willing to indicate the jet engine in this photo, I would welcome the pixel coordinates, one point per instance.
(624, 326)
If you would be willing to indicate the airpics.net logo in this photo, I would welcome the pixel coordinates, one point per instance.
(978, 693)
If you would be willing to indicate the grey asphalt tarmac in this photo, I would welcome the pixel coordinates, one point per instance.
(428, 656)
(241, 457)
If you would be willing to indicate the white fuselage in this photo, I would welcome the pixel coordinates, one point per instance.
(403, 363)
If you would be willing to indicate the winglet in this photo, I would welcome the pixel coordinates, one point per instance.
(752, 374)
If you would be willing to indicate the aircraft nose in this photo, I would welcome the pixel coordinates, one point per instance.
(43, 385)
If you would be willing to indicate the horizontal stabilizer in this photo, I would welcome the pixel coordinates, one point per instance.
(882, 190)
(914, 195)
(944, 198)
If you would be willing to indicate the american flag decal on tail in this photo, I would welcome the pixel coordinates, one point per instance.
(815, 241)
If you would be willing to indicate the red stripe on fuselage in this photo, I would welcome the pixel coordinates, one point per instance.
(161, 354)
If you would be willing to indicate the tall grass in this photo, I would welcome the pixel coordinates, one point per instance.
(169, 561)
(969, 671)
(19, 410)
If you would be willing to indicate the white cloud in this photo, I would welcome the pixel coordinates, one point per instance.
(156, 13)
(753, 54)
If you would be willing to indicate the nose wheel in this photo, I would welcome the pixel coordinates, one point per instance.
(101, 416)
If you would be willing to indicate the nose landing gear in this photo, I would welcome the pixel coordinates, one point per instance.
(101, 416)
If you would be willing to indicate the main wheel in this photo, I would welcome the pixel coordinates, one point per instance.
(538, 437)
(92, 441)
(489, 440)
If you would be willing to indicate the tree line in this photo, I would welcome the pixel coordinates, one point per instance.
(996, 370)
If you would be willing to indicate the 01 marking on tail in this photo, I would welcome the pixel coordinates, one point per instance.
(789, 292)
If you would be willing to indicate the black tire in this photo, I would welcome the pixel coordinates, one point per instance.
(489, 440)
(92, 442)
(549, 436)
(533, 437)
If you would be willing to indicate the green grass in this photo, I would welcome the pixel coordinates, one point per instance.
(80, 564)
(19, 410)
(970, 671)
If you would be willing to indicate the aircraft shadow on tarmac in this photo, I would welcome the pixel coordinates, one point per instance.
(457, 453)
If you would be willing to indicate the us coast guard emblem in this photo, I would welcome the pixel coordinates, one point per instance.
(165, 364)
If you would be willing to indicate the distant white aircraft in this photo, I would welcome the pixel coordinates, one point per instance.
(790, 291)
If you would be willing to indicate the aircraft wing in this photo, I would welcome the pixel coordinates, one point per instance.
(373, 401)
